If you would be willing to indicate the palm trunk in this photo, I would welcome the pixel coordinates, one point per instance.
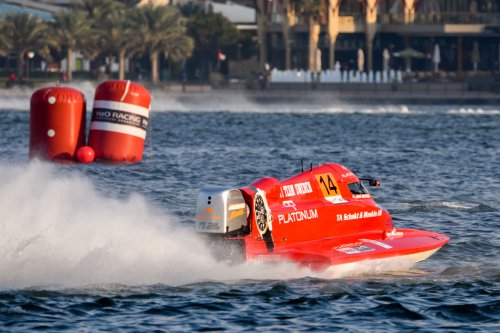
(288, 21)
(369, 53)
(121, 64)
(109, 64)
(314, 29)
(288, 48)
(331, 60)
(20, 65)
(371, 29)
(262, 31)
(154, 67)
(333, 29)
(409, 10)
(69, 64)
(288, 55)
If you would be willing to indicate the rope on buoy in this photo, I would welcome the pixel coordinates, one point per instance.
(150, 128)
(126, 91)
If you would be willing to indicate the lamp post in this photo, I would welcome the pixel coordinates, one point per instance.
(30, 55)
(239, 51)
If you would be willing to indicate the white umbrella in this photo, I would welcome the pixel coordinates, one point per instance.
(387, 57)
(475, 55)
(361, 60)
(317, 61)
(436, 57)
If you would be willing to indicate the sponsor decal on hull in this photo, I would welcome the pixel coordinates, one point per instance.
(302, 215)
(394, 234)
(290, 203)
(295, 189)
(330, 188)
(236, 213)
(208, 215)
(336, 199)
(359, 215)
(361, 196)
(376, 242)
(269, 257)
(355, 250)
(208, 226)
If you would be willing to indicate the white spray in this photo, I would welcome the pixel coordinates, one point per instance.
(60, 231)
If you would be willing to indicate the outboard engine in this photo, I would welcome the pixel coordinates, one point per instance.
(221, 210)
(221, 216)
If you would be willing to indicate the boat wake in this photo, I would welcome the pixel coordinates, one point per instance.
(60, 231)
(18, 99)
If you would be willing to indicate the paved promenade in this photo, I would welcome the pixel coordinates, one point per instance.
(417, 93)
(402, 93)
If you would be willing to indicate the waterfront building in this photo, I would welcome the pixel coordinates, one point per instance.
(39, 9)
(452, 36)
(467, 33)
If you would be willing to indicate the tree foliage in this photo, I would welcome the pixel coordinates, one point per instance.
(5, 41)
(161, 29)
(73, 33)
(314, 8)
(105, 29)
(213, 32)
(21, 33)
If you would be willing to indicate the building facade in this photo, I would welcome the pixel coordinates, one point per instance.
(466, 31)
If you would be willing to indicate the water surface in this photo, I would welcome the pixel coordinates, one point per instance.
(106, 248)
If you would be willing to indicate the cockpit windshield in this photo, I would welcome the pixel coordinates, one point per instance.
(357, 188)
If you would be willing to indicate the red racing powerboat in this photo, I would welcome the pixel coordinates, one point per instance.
(321, 217)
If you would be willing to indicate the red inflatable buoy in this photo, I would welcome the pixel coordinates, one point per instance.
(85, 154)
(57, 123)
(120, 118)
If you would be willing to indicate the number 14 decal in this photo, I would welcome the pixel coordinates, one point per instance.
(328, 184)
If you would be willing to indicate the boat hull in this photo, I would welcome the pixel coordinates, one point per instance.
(402, 247)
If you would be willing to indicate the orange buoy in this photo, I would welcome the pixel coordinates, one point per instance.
(57, 123)
(85, 154)
(120, 119)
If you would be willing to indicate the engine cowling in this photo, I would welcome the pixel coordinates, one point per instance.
(221, 210)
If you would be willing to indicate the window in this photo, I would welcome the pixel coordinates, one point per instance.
(357, 188)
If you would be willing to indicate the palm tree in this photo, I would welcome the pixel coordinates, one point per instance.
(261, 8)
(211, 32)
(98, 13)
(22, 32)
(314, 10)
(114, 34)
(191, 9)
(333, 29)
(73, 32)
(161, 29)
(97, 10)
(5, 42)
(371, 7)
(288, 22)
(120, 38)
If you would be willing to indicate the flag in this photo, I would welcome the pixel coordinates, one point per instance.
(220, 56)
